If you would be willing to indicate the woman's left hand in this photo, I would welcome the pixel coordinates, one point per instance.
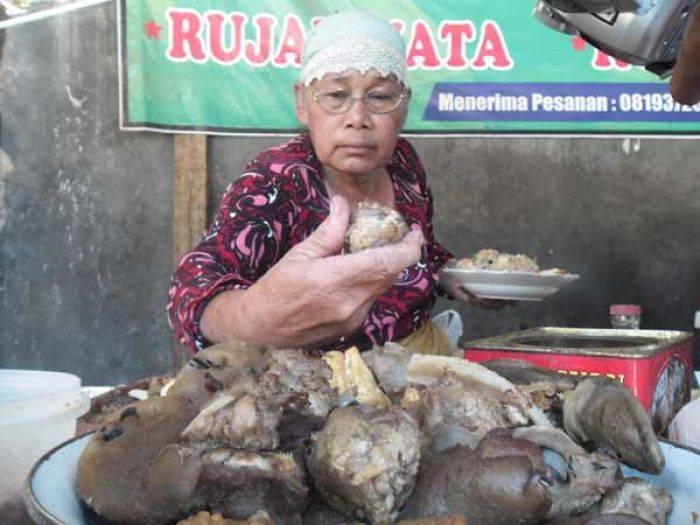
(489, 304)
(455, 291)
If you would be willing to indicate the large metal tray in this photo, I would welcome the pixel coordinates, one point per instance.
(51, 500)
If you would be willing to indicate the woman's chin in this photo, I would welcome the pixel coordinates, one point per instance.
(356, 165)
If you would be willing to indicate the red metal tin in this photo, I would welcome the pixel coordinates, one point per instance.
(655, 365)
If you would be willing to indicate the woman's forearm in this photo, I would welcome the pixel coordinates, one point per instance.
(226, 318)
(259, 317)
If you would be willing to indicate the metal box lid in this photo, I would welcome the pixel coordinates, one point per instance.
(635, 344)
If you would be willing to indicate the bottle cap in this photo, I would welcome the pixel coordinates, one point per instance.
(625, 309)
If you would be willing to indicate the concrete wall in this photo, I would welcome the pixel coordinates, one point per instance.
(85, 242)
(85, 216)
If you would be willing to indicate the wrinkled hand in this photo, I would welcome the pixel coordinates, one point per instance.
(314, 294)
(457, 292)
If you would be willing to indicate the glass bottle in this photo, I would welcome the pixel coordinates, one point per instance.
(626, 316)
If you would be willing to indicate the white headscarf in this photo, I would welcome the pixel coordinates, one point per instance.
(356, 39)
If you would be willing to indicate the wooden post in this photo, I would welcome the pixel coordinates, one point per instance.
(190, 202)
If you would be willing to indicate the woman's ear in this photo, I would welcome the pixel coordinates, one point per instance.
(300, 104)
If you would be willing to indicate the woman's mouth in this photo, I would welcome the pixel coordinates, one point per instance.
(356, 149)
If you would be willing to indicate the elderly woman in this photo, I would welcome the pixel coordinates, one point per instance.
(270, 269)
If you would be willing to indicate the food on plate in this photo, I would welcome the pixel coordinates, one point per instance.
(493, 260)
(206, 518)
(502, 480)
(103, 405)
(502, 262)
(640, 498)
(351, 374)
(284, 437)
(365, 460)
(604, 412)
(554, 271)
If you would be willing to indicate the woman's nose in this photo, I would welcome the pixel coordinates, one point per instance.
(358, 116)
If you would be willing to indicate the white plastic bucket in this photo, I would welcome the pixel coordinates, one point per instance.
(38, 410)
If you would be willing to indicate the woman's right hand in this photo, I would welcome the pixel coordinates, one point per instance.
(312, 294)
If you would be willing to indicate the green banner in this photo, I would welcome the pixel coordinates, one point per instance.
(475, 67)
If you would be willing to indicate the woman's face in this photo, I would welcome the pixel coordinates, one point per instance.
(357, 141)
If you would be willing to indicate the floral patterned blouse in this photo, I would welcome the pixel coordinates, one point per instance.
(278, 202)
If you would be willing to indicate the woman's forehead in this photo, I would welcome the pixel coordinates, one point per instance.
(352, 77)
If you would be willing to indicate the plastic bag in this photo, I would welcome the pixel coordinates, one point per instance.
(685, 427)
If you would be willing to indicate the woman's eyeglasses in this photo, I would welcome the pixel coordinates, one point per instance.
(337, 101)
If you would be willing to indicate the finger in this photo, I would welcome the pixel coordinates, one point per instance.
(329, 236)
(386, 262)
(460, 295)
(473, 299)
(493, 304)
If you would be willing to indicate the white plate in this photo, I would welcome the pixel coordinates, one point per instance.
(511, 286)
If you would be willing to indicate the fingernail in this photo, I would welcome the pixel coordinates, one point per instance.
(331, 206)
